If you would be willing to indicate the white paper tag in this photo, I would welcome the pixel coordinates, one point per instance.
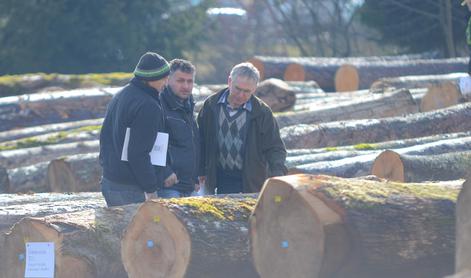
(124, 152)
(158, 155)
(39, 259)
(465, 85)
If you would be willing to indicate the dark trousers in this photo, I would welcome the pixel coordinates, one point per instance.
(117, 194)
(228, 182)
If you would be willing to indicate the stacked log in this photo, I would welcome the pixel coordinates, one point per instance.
(47, 108)
(49, 128)
(414, 81)
(463, 236)
(321, 226)
(32, 178)
(416, 168)
(377, 106)
(28, 156)
(449, 120)
(160, 238)
(277, 94)
(361, 75)
(14, 207)
(76, 173)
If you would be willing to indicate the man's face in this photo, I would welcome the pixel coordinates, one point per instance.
(181, 84)
(158, 84)
(240, 90)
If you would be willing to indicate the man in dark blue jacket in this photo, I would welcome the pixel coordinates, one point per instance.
(132, 121)
(177, 102)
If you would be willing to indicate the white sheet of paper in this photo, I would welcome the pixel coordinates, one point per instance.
(158, 155)
(124, 152)
(465, 85)
(39, 259)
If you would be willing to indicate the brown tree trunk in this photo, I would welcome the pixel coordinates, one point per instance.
(26, 179)
(322, 226)
(200, 237)
(417, 168)
(76, 173)
(28, 156)
(361, 75)
(443, 94)
(277, 94)
(453, 119)
(414, 81)
(47, 108)
(379, 106)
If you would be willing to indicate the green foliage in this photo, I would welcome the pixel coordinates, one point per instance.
(364, 146)
(94, 35)
(415, 26)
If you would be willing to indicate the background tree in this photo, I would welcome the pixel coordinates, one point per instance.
(71, 36)
(419, 26)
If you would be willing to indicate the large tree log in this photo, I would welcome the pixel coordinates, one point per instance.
(28, 156)
(362, 164)
(162, 238)
(444, 93)
(463, 228)
(277, 94)
(321, 226)
(43, 108)
(414, 81)
(423, 148)
(61, 137)
(205, 237)
(32, 178)
(416, 168)
(76, 173)
(13, 207)
(356, 75)
(43, 129)
(377, 106)
(453, 119)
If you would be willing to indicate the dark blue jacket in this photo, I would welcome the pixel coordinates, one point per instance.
(184, 142)
(136, 106)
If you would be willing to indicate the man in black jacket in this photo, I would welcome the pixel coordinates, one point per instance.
(177, 102)
(133, 119)
(240, 139)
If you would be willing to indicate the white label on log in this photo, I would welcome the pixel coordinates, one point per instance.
(39, 259)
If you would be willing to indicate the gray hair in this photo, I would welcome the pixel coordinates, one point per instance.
(245, 70)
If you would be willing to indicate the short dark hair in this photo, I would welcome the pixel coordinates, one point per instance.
(181, 65)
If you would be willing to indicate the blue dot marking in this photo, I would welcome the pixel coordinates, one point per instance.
(284, 244)
(150, 244)
(21, 257)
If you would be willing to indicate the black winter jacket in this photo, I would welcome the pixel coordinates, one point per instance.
(184, 144)
(136, 106)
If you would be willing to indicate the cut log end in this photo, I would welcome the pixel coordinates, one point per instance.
(388, 165)
(294, 72)
(440, 96)
(60, 176)
(259, 65)
(285, 226)
(347, 79)
(155, 244)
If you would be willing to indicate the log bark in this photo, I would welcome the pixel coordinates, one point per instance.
(43, 129)
(444, 93)
(414, 81)
(277, 94)
(201, 237)
(29, 156)
(423, 148)
(13, 207)
(463, 236)
(379, 106)
(57, 107)
(361, 75)
(32, 178)
(77, 173)
(449, 120)
(416, 168)
(322, 226)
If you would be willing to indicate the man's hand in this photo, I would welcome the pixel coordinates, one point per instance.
(171, 180)
(150, 196)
